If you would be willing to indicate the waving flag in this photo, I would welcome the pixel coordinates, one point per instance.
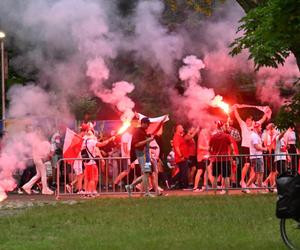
(156, 124)
(72, 145)
(266, 109)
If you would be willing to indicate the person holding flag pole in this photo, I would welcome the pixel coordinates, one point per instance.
(140, 150)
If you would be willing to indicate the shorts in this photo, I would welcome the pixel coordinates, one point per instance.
(258, 165)
(280, 166)
(192, 161)
(125, 164)
(202, 164)
(145, 166)
(269, 160)
(77, 166)
(245, 152)
(91, 172)
(221, 168)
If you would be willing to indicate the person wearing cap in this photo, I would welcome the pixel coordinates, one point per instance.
(220, 146)
(256, 157)
(140, 150)
(246, 130)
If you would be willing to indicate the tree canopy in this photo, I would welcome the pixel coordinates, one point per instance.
(270, 31)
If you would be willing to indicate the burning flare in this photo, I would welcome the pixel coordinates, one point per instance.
(218, 102)
(125, 126)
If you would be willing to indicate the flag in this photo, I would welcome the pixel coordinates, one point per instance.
(156, 124)
(266, 109)
(72, 145)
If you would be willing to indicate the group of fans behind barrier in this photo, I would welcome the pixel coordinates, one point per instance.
(217, 157)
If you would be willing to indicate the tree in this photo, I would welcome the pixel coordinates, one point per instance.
(85, 106)
(290, 112)
(271, 31)
(248, 5)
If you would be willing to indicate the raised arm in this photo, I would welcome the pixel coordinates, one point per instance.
(236, 113)
(144, 142)
(263, 119)
(191, 134)
(104, 143)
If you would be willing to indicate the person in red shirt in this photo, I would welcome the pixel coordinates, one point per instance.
(181, 155)
(191, 152)
(140, 151)
(202, 158)
(235, 138)
(220, 146)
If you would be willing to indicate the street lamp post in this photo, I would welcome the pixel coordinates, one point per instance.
(2, 36)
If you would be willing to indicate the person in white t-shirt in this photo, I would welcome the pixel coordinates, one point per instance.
(156, 164)
(41, 152)
(125, 144)
(268, 137)
(280, 158)
(280, 153)
(246, 130)
(125, 152)
(91, 172)
(256, 156)
(291, 139)
(125, 148)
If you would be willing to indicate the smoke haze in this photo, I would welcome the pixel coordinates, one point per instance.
(68, 47)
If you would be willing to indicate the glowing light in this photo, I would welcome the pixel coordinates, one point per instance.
(218, 102)
(125, 126)
(2, 35)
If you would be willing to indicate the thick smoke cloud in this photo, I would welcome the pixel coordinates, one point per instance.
(117, 95)
(196, 99)
(152, 41)
(68, 46)
(55, 40)
(270, 80)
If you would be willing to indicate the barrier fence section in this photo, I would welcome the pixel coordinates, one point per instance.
(113, 174)
(220, 172)
(247, 172)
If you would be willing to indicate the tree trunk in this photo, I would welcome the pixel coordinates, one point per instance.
(247, 5)
(296, 52)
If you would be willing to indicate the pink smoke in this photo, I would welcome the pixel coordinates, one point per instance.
(153, 42)
(117, 95)
(194, 103)
(16, 150)
(269, 80)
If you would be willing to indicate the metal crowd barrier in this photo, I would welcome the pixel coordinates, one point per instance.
(111, 167)
(236, 166)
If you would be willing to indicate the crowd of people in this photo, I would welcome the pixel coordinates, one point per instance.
(226, 158)
(219, 157)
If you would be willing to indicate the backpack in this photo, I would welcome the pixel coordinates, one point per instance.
(288, 203)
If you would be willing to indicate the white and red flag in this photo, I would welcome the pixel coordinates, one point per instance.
(266, 109)
(156, 123)
(72, 145)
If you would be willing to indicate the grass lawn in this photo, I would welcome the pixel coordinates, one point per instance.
(189, 222)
